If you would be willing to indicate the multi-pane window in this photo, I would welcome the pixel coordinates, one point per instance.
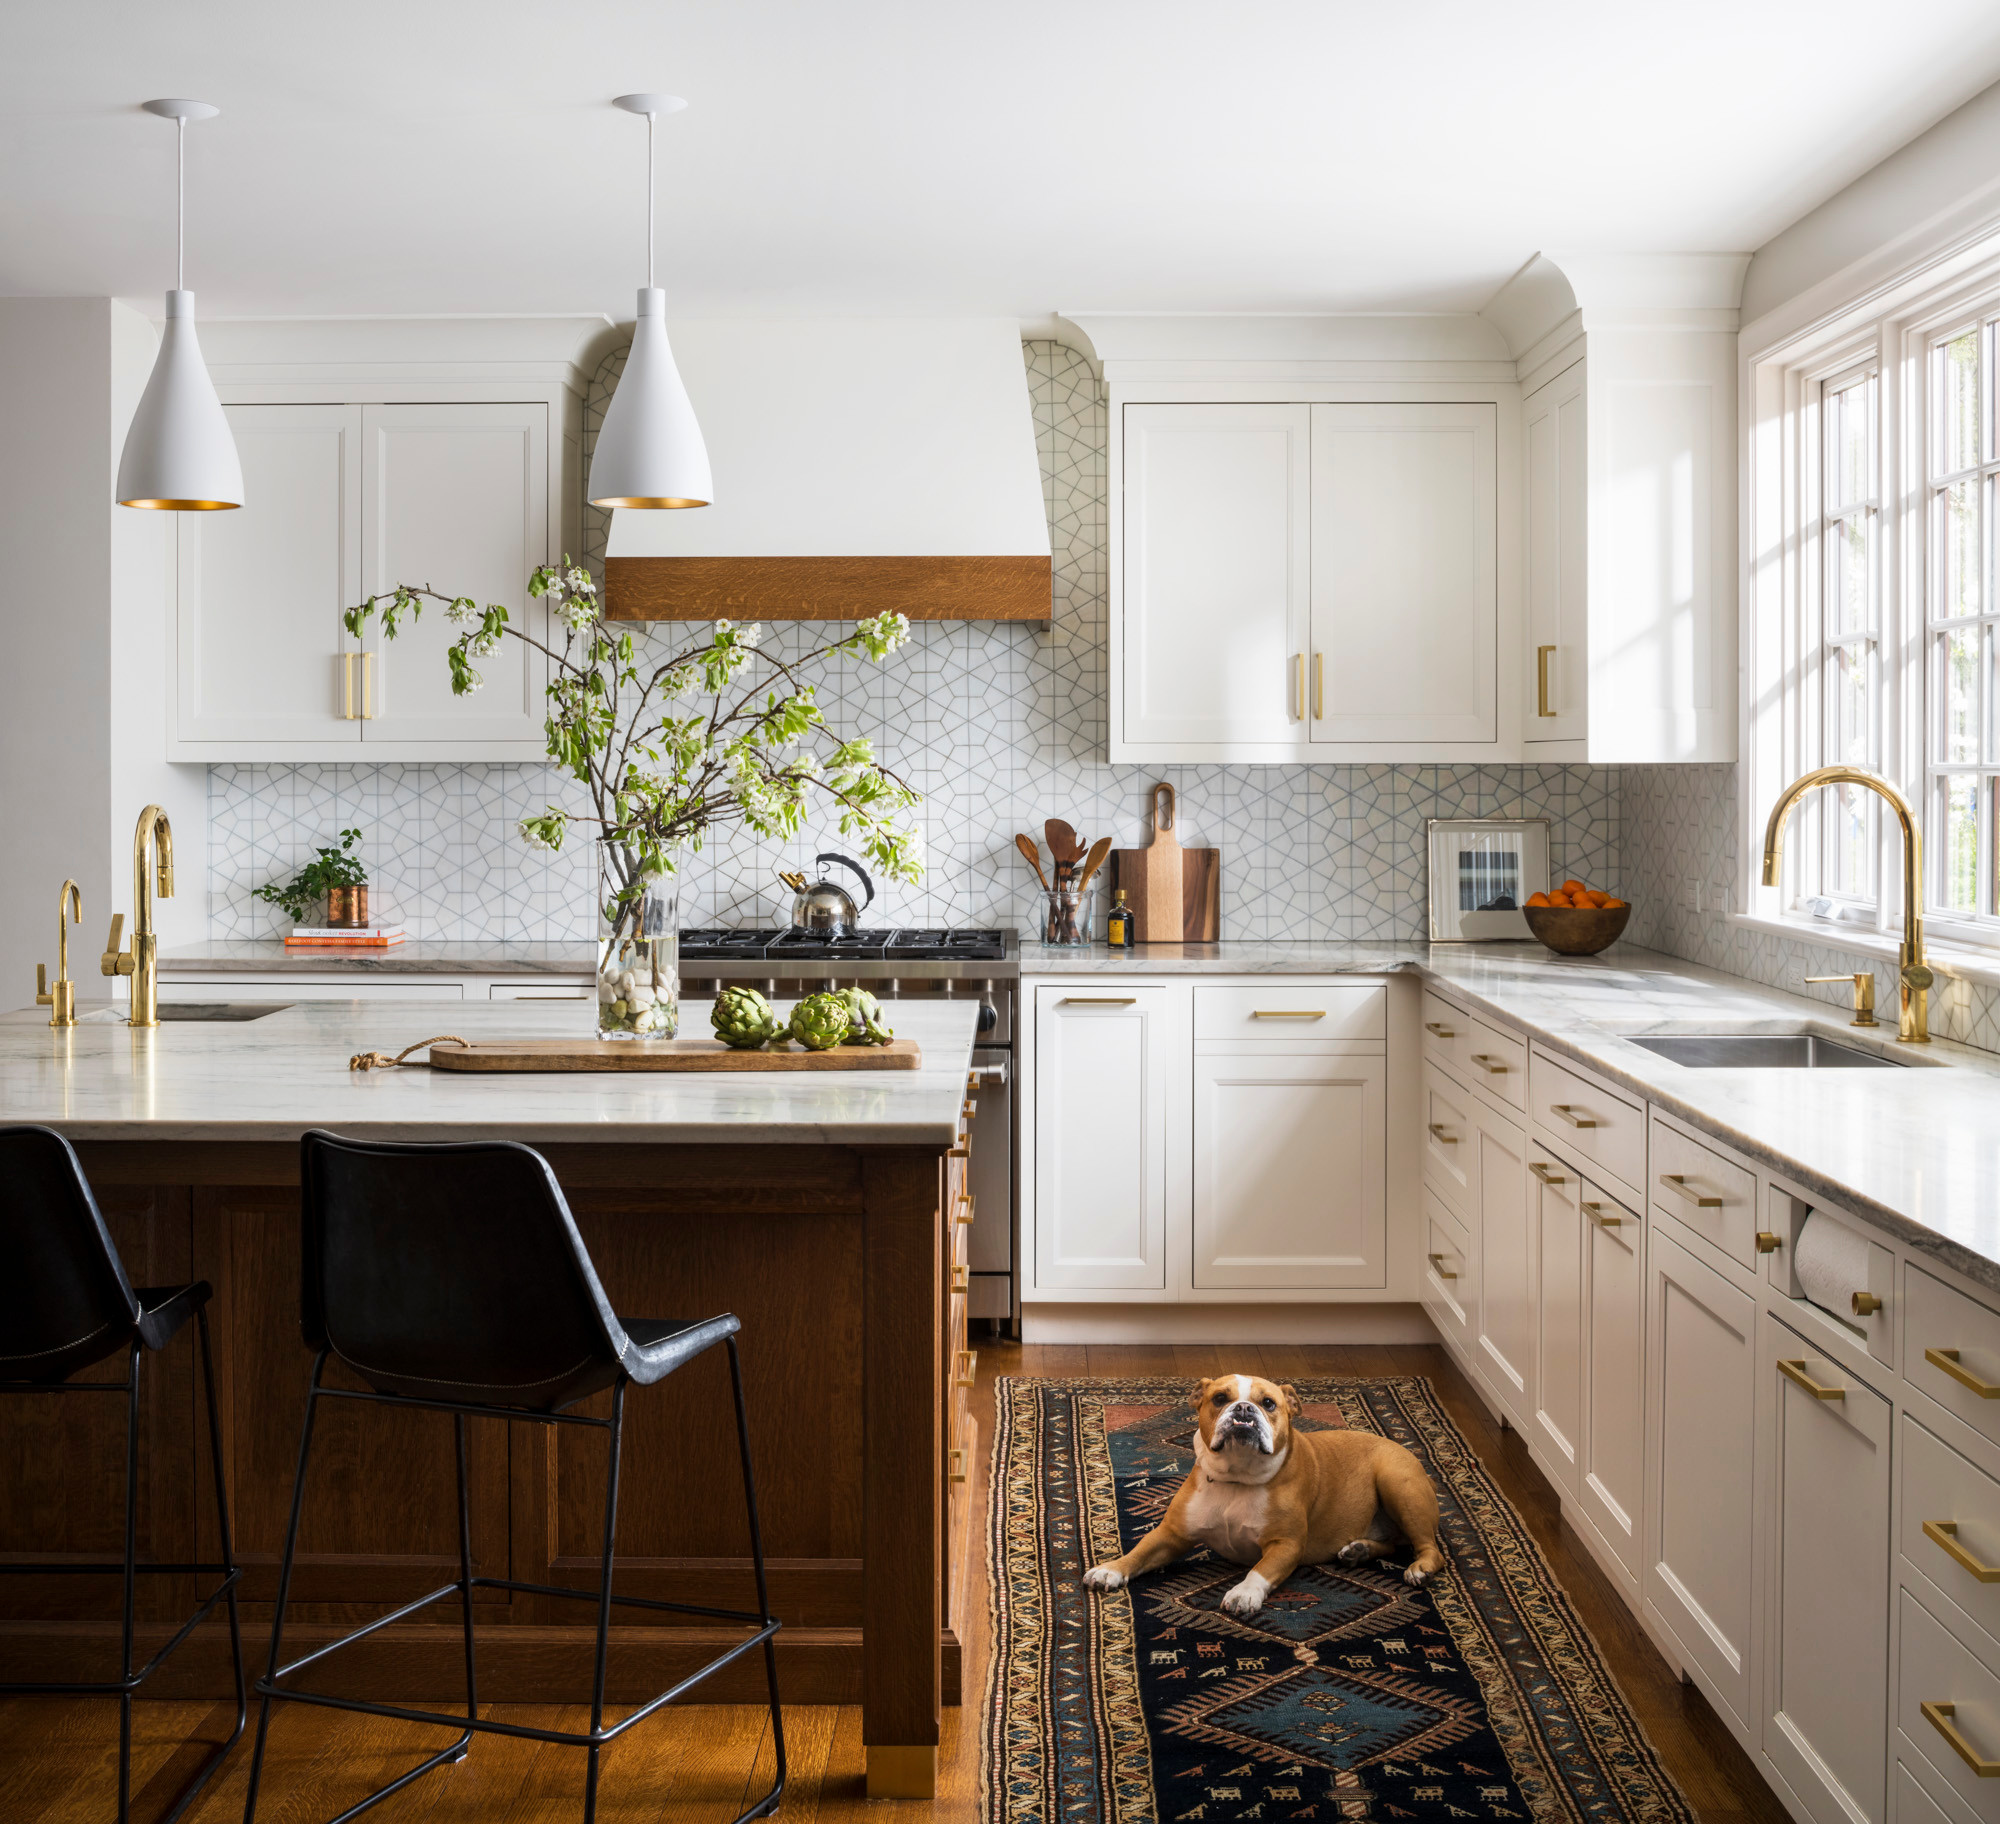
(1850, 645)
(1960, 749)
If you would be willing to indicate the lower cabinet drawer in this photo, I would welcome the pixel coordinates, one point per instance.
(1607, 1130)
(1447, 1137)
(1948, 1706)
(1447, 1277)
(1705, 1192)
(1951, 1350)
(1951, 1526)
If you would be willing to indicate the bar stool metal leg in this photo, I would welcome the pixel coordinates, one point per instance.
(131, 1558)
(228, 1543)
(604, 1603)
(465, 1572)
(770, 1801)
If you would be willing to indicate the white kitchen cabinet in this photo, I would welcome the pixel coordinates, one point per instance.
(1215, 521)
(1555, 483)
(1506, 1242)
(455, 496)
(1826, 1671)
(1561, 1317)
(1611, 1452)
(343, 501)
(1290, 1171)
(261, 655)
(1405, 582)
(1701, 1387)
(1110, 1133)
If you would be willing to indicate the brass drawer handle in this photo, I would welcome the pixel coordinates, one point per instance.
(955, 1465)
(965, 1208)
(1098, 1000)
(1437, 1265)
(1298, 687)
(1865, 1304)
(1944, 1533)
(967, 1111)
(1542, 657)
(1319, 686)
(1939, 1717)
(1568, 1112)
(1595, 1211)
(1767, 1243)
(1491, 1065)
(1440, 1032)
(1796, 1373)
(1438, 1134)
(960, 1151)
(1546, 1173)
(961, 1279)
(1678, 1185)
(1286, 1013)
(1947, 1359)
(967, 1368)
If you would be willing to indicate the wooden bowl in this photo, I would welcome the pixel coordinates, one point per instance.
(1577, 930)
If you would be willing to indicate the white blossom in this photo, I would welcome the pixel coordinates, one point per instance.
(532, 835)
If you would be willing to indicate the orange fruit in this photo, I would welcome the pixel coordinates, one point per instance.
(1574, 886)
(1538, 899)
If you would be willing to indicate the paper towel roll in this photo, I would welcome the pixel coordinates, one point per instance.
(1832, 1265)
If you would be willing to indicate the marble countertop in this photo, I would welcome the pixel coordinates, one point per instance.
(269, 955)
(1915, 1150)
(273, 1077)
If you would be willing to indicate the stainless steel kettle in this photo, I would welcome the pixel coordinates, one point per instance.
(823, 907)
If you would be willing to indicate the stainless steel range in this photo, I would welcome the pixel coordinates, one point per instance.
(909, 964)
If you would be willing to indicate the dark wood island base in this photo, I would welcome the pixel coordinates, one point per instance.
(840, 1262)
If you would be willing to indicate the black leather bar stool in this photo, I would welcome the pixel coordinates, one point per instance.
(452, 1278)
(65, 1305)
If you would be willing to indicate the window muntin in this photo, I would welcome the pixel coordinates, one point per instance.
(1849, 631)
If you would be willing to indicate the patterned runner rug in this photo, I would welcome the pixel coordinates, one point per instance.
(1351, 1696)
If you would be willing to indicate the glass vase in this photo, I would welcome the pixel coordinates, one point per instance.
(638, 948)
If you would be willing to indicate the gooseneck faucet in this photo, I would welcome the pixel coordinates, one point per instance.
(1913, 1022)
(152, 842)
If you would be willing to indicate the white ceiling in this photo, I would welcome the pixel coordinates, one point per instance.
(938, 156)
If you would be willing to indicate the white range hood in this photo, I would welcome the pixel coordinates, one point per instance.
(860, 465)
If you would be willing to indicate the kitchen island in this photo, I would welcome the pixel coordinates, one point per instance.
(816, 1207)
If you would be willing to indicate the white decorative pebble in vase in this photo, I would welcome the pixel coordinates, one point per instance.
(638, 948)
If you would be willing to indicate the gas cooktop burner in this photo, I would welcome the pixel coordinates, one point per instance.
(723, 945)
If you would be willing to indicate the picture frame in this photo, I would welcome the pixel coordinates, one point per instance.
(1482, 870)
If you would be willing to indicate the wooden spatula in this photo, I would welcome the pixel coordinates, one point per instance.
(1064, 848)
(1026, 844)
(1098, 850)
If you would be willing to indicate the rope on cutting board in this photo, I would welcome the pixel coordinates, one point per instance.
(381, 1060)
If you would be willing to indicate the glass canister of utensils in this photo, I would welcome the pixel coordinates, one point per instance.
(1067, 917)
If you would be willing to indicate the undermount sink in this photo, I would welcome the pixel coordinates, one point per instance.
(1761, 1051)
(174, 1013)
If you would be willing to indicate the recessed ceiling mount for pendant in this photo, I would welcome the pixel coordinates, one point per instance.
(650, 451)
(178, 453)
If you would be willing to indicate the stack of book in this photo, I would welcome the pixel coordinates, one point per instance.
(376, 936)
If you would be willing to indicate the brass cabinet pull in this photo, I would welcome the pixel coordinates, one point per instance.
(1546, 1173)
(1939, 1717)
(1098, 1000)
(1298, 687)
(1437, 1266)
(965, 1206)
(1796, 1373)
(1542, 680)
(961, 1279)
(1437, 1031)
(1678, 1185)
(1567, 1112)
(1595, 1211)
(960, 1151)
(1947, 1359)
(1438, 1134)
(967, 1368)
(1290, 1013)
(967, 1111)
(1944, 1533)
(955, 1465)
(347, 687)
(1491, 1065)
(1319, 686)
(1767, 1243)
(367, 687)
(1865, 1304)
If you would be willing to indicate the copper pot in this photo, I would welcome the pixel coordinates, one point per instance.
(347, 908)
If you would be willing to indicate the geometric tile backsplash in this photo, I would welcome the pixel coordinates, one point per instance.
(999, 726)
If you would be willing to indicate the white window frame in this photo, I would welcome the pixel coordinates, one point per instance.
(1785, 691)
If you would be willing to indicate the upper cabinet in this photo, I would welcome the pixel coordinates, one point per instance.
(1556, 553)
(1308, 582)
(458, 474)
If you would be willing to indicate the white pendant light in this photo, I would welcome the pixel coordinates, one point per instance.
(649, 450)
(179, 454)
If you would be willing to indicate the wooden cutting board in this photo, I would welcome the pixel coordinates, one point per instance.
(1175, 893)
(517, 1055)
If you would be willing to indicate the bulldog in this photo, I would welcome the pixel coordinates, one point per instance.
(1273, 1498)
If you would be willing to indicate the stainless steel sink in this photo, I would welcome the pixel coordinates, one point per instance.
(1759, 1051)
(173, 1013)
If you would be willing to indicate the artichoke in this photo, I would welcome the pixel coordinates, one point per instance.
(744, 1020)
(864, 1013)
(821, 1021)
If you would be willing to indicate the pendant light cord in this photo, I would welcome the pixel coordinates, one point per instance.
(180, 202)
(650, 118)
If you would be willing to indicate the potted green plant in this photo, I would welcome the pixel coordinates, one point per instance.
(334, 876)
(671, 749)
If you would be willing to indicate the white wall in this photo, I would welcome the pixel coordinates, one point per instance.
(82, 682)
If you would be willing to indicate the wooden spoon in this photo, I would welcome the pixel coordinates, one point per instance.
(1026, 844)
(1063, 843)
(1098, 850)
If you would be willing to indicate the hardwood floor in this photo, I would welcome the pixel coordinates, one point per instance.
(700, 1765)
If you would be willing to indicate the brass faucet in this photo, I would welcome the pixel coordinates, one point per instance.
(1913, 1022)
(61, 999)
(141, 962)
